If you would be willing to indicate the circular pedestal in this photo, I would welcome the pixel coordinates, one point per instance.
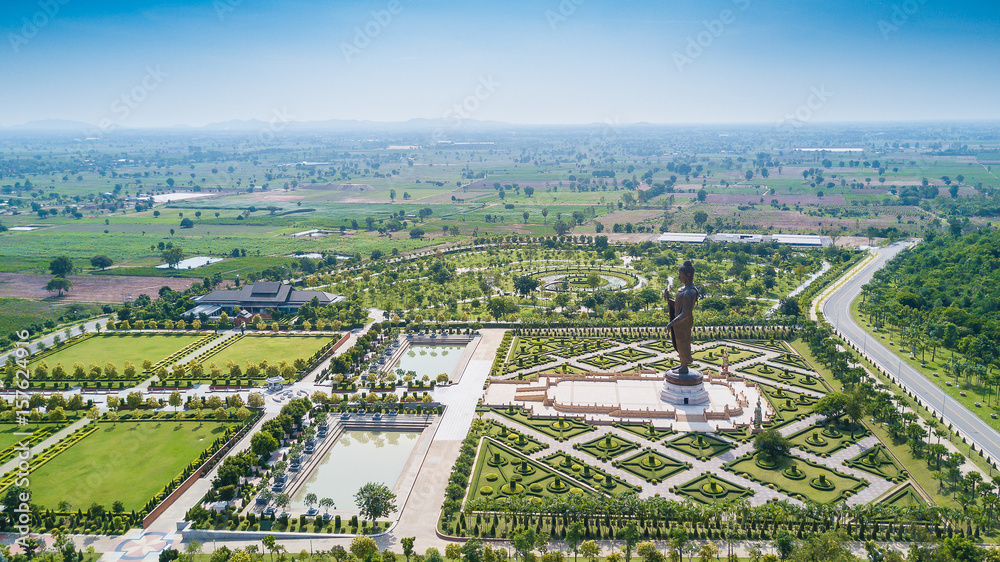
(684, 388)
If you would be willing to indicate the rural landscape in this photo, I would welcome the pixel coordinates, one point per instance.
(357, 337)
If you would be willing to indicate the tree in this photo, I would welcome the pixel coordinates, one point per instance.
(524, 542)
(679, 540)
(255, 400)
(173, 256)
(364, 548)
(375, 500)
(59, 284)
(772, 444)
(590, 549)
(452, 551)
(417, 233)
(702, 195)
(700, 217)
(630, 534)
(61, 266)
(472, 551)
(187, 223)
(574, 534)
(310, 500)
(326, 504)
(561, 227)
(648, 552)
(832, 405)
(784, 543)
(193, 549)
(101, 261)
(270, 544)
(525, 284)
(263, 444)
(407, 543)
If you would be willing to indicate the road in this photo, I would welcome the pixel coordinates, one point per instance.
(50, 340)
(836, 309)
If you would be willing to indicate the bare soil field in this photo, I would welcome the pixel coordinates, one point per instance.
(86, 288)
(743, 199)
(622, 217)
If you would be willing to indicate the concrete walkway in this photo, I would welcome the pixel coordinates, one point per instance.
(46, 443)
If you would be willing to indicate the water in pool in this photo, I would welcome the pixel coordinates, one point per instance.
(358, 457)
(431, 360)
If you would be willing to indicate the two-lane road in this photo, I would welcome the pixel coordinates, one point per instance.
(836, 309)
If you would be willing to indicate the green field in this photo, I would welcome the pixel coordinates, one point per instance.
(127, 462)
(118, 348)
(271, 348)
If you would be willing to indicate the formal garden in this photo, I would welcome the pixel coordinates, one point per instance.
(702, 446)
(560, 429)
(583, 278)
(710, 489)
(797, 478)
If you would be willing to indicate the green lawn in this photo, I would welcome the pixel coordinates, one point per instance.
(118, 348)
(127, 461)
(271, 348)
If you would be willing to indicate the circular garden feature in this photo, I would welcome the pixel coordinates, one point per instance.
(586, 279)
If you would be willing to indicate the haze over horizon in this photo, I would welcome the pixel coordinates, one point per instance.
(190, 63)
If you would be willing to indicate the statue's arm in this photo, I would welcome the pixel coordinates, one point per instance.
(683, 310)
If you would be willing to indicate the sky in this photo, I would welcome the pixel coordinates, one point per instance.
(136, 63)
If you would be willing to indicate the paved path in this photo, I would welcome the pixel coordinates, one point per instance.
(836, 309)
(48, 442)
(49, 340)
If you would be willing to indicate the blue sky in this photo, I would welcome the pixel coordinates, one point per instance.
(140, 63)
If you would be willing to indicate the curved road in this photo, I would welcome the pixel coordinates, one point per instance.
(836, 309)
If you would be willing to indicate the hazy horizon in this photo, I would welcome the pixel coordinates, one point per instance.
(183, 63)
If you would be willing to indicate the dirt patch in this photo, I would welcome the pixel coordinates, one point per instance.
(745, 199)
(88, 288)
(278, 196)
(622, 217)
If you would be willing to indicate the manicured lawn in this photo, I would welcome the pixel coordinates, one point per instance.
(118, 348)
(127, 461)
(271, 348)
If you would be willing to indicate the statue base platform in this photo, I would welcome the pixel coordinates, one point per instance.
(684, 388)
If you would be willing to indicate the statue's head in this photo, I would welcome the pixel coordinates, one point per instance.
(686, 272)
